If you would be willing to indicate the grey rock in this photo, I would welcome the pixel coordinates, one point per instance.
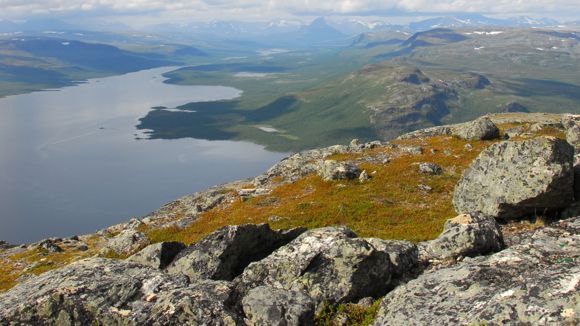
(298, 165)
(413, 150)
(515, 131)
(366, 302)
(569, 120)
(466, 235)
(49, 245)
(126, 243)
(535, 282)
(480, 129)
(114, 292)
(539, 126)
(225, 253)
(364, 176)
(512, 179)
(573, 136)
(329, 264)
(372, 144)
(83, 247)
(158, 255)
(355, 144)
(424, 187)
(430, 168)
(428, 132)
(253, 192)
(277, 307)
(332, 170)
(402, 254)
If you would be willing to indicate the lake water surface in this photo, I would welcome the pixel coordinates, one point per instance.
(70, 162)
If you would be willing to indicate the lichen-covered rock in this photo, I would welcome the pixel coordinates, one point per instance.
(535, 282)
(465, 235)
(430, 168)
(512, 179)
(480, 129)
(158, 255)
(329, 264)
(114, 292)
(277, 307)
(299, 165)
(49, 245)
(126, 243)
(413, 150)
(225, 253)
(573, 136)
(332, 170)
(403, 254)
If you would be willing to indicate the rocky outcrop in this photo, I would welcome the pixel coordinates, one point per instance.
(225, 253)
(534, 282)
(158, 255)
(126, 243)
(252, 275)
(480, 129)
(329, 264)
(277, 307)
(113, 292)
(465, 235)
(513, 179)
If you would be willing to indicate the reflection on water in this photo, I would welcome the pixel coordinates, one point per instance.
(70, 161)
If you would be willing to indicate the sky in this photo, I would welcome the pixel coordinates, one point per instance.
(142, 12)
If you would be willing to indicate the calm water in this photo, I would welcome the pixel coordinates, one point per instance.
(70, 162)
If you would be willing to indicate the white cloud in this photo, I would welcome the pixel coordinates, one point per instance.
(267, 8)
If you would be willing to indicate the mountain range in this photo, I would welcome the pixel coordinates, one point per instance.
(344, 25)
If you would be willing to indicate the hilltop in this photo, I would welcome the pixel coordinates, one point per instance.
(354, 234)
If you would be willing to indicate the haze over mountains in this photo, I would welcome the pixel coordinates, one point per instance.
(344, 25)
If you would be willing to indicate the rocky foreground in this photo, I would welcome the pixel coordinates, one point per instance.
(486, 267)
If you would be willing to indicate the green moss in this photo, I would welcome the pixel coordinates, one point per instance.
(346, 314)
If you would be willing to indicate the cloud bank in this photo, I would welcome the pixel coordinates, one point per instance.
(215, 9)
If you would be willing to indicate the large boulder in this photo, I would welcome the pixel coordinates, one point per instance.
(225, 253)
(512, 179)
(465, 235)
(329, 264)
(535, 282)
(479, 129)
(101, 291)
(276, 307)
(158, 255)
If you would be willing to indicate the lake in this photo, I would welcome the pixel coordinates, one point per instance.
(71, 160)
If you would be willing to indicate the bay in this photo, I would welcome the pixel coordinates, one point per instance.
(72, 161)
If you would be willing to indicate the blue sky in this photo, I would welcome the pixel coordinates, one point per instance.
(153, 11)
